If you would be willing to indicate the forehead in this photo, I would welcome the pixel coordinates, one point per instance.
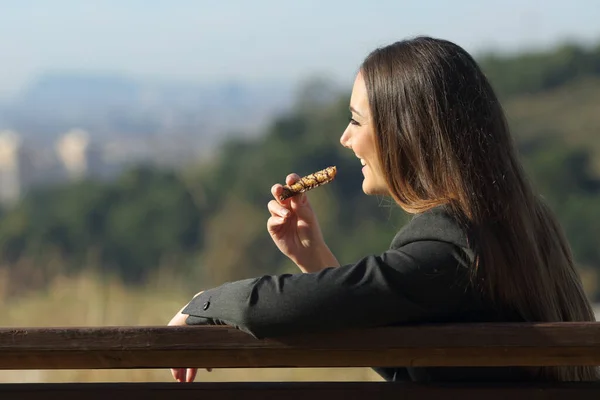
(359, 98)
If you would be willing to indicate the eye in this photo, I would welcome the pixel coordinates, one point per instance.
(353, 121)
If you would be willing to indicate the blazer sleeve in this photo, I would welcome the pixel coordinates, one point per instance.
(421, 281)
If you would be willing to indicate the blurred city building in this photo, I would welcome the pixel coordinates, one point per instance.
(16, 167)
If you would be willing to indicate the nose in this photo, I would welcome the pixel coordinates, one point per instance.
(345, 139)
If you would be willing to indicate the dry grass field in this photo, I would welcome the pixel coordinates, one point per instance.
(89, 300)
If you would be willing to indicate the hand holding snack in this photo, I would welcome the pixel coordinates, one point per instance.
(293, 225)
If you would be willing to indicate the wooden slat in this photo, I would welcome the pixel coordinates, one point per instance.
(298, 391)
(226, 347)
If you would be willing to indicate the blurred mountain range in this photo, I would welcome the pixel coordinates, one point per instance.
(113, 106)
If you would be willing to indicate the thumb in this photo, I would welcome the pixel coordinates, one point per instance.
(301, 206)
(300, 200)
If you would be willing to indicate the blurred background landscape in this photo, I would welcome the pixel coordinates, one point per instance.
(139, 142)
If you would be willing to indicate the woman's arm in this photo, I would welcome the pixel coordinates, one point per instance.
(419, 282)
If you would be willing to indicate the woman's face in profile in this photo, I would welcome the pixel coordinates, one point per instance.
(359, 137)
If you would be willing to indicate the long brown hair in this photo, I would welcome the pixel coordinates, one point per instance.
(442, 138)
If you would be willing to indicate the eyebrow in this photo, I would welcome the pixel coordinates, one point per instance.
(356, 112)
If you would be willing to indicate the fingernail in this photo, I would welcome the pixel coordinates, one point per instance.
(285, 212)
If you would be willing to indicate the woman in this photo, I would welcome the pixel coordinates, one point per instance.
(482, 246)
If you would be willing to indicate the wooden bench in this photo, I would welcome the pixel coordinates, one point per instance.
(540, 344)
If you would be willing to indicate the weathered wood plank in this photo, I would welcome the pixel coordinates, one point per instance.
(297, 391)
(225, 347)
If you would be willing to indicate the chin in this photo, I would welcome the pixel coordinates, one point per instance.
(366, 189)
(374, 187)
(369, 190)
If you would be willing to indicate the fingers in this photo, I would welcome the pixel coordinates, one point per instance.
(278, 210)
(191, 374)
(291, 179)
(277, 189)
(274, 224)
(277, 207)
(185, 374)
(299, 199)
(178, 374)
(279, 215)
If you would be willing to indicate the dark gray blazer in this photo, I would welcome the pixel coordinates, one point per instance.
(422, 278)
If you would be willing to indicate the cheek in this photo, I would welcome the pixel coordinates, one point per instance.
(366, 146)
(371, 144)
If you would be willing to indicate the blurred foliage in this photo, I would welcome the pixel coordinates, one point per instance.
(144, 218)
(564, 176)
(535, 72)
(207, 224)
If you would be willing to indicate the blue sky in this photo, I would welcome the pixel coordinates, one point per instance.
(262, 39)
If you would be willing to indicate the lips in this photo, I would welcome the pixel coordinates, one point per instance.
(362, 161)
(364, 164)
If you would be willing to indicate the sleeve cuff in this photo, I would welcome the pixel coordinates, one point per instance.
(200, 306)
(192, 320)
